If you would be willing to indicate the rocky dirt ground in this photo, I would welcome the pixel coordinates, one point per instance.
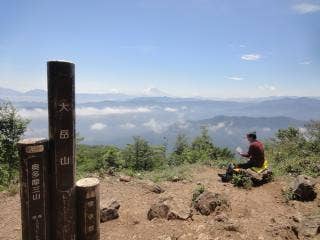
(260, 213)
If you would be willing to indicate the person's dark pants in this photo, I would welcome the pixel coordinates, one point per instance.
(246, 165)
(229, 173)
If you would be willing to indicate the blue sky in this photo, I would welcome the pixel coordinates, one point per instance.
(209, 48)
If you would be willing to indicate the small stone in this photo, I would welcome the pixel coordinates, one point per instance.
(125, 179)
(110, 212)
(221, 217)
(232, 227)
(209, 202)
(158, 210)
(152, 187)
(176, 179)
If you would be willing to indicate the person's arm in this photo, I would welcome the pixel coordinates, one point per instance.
(246, 155)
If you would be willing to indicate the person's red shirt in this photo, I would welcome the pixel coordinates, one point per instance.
(256, 153)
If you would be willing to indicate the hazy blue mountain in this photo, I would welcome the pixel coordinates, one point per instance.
(38, 95)
(161, 118)
(230, 131)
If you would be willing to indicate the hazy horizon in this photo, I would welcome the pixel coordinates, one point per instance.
(155, 92)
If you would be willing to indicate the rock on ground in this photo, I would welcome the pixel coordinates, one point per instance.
(303, 188)
(152, 187)
(258, 178)
(308, 227)
(109, 212)
(125, 179)
(170, 209)
(209, 202)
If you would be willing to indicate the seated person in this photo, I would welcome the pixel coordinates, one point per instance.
(255, 155)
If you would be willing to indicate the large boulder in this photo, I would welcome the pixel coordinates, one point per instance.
(258, 179)
(170, 209)
(308, 227)
(110, 211)
(209, 202)
(303, 188)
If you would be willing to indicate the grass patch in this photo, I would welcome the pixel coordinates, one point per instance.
(182, 172)
(241, 180)
(288, 194)
(197, 192)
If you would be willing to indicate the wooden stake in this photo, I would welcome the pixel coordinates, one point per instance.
(61, 106)
(88, 209)
(33, 189)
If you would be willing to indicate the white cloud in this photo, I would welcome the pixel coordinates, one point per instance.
(251, 57)
(266, 129)
(267, 87)
(36, 113)
(183, 125)
(87, 111)
(98, 126)
(303, 130)
(235, 78)
(217, 126)
(127, 126)
(184, 107)
(229, 131)
(305, 62)
(33, 113)
(157, 127)
(154, 92)
(305, 8)
(169, 109)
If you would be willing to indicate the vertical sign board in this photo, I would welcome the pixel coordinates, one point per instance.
(88, 209)
(33, 189)
(61, 106)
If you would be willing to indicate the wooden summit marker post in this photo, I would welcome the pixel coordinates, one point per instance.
(88, 209)
(61, 106)
(33, 188)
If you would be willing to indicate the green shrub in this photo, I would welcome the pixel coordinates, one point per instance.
(202, 150)
(4, 175)
(12, 128)
(288, 194)
(197, 192)
(292, 152)
(141, 156)
(241, 180)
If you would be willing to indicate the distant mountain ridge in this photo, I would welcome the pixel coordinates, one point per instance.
(230, 131)
(161, 118)
(165, 108)
(39, 95)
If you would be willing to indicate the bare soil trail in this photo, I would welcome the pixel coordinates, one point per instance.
(259, 213)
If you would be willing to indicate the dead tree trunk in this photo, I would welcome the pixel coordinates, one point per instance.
(33, 189)
(88, 209)
(61, 106)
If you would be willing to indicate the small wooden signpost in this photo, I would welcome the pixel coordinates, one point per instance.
(88, 209)
(33, 189)
(61, 107)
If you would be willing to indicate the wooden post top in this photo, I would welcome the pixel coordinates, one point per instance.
(60, 62)
(87, 182)
(32, 141)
